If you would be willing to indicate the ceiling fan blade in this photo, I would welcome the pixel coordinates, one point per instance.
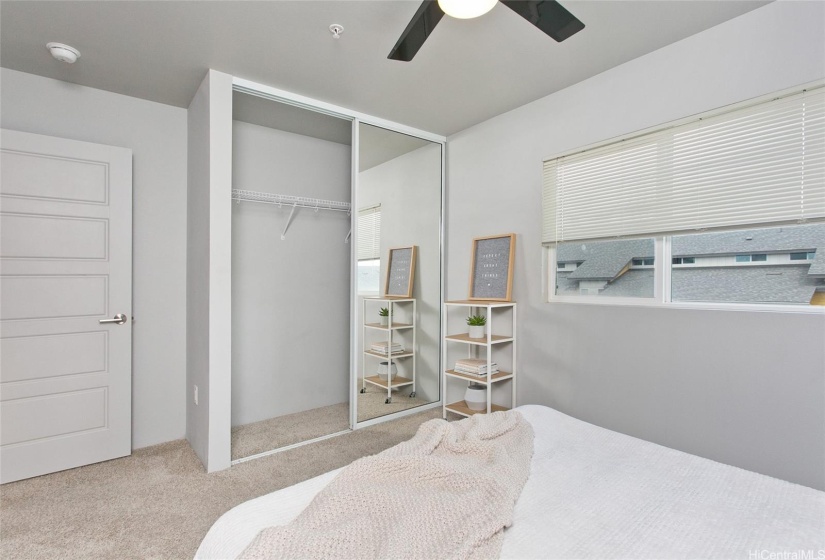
(421, 25)
(548, 15)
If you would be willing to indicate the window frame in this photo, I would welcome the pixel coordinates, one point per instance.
(662, 284)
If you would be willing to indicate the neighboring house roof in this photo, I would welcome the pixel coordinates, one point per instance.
(771, 240)
(818, 264)
(603, 260)
(750, 284)
(633, 283)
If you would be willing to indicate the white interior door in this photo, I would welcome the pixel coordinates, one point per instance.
(66, 258)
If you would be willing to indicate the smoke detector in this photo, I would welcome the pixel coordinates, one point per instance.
(63, 53)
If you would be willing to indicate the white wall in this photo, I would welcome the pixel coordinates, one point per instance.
(156, 134)
(409, 191)
(290, 298)
(742, 388)
(209, 275)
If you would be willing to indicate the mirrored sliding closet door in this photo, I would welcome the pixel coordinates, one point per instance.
(397, 233)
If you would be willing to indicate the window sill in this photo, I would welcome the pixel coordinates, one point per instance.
(696, 306)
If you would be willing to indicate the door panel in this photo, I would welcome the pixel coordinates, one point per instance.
(56, 237)
(65, 378)
(37, 175)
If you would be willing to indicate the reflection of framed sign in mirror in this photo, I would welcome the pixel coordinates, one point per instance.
(400, 272)
(491, 270)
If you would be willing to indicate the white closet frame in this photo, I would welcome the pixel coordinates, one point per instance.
(267, 92)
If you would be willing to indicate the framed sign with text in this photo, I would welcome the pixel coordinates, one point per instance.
(491, 270)
(400, 272)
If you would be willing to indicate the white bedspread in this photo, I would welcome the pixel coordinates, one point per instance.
(594, 493)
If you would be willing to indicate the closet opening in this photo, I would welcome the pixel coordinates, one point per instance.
(291, 268)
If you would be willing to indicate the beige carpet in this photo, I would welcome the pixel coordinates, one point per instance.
(275, 433)
(159, 502)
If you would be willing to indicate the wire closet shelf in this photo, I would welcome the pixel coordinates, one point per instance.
(293, 202)
(287, 200)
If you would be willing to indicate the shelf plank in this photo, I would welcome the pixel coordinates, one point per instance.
(465, 338)
(404, 354)
(481, 303)
(385, 328)
(461, 408)
(397, 381)
(500, 376)
(396, 299)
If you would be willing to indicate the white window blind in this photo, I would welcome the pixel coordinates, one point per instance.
(760, 164)
(369, 233)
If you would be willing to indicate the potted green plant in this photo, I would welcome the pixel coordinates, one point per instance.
(477, 323)
(384, 314)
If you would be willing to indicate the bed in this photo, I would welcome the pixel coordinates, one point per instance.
(595, 493)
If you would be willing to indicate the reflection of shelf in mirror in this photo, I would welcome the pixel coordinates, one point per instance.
(397, 381)
(480, 303)
(464, 337)
(500, 376)
(461, 408)
(384, 356)
(384, 327)
(398, 299)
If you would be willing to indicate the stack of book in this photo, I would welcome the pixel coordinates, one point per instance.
(381, 348)
(474, 366)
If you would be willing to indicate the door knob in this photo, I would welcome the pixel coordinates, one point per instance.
(119, 319)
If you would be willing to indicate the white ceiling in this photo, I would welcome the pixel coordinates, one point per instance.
(467, 71)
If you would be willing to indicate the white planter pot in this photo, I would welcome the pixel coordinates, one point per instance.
(477, 331)
(384, 320)
(476, 397)
(382, 371)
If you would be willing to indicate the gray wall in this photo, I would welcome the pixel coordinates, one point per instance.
(409, 191)
(290, 298)
(156, 134)
(744, 388)
(208, 279)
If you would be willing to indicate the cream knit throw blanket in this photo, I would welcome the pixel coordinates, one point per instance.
(448, 492)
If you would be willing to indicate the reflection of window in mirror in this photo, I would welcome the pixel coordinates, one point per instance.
(369, 250)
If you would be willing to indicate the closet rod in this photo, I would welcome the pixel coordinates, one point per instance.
(285, 199)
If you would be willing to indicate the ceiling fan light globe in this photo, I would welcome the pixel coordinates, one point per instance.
(466, 9)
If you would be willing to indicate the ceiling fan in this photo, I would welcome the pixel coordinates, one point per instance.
(548, 15)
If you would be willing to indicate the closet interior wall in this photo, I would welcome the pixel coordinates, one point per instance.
(290, 297)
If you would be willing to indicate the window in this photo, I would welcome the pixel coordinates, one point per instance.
(369, 250)
(607, 269)
(805, 256)
(751, 258)
(735, 175)
(369, 276)
(719, 278)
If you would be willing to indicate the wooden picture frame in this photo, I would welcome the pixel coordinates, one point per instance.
(489, 281)
(400, 272)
